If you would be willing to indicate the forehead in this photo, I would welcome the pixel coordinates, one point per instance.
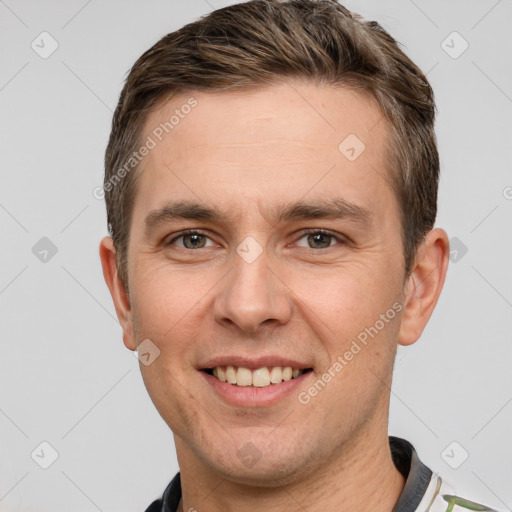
(266, 145)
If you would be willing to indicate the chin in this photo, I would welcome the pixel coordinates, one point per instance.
(262, 462)
(268, 474)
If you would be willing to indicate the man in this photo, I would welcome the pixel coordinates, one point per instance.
(271, 186)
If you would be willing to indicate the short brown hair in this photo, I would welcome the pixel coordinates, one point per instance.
(262, 42)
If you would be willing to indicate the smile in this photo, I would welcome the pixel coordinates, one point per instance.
(259, 377)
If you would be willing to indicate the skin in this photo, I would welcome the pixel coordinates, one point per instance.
(247, 153)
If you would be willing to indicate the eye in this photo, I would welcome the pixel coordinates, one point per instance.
(319, 239)
(191, 239)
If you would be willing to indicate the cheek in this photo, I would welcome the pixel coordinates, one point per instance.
(348, 297)
(165, 297)
(173, 396)
(165, 309)
(351, 312)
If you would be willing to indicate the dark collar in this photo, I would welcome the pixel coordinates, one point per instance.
(416, 474)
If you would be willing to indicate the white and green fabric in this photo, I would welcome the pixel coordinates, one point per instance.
(440, 497)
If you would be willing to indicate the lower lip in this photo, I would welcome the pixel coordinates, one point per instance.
(250, 396)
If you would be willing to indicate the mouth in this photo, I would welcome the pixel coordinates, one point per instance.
(265, 376)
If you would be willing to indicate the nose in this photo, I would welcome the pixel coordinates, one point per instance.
(252, 294)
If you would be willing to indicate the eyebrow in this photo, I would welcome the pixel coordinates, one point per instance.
(337, 208)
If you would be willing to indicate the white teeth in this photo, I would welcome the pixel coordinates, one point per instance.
(260, 378)
(221, 375)
(276, 375)
(230, 375)
(243, 377)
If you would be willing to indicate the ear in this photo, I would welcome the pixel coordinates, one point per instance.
(117, 290)
(424, 285)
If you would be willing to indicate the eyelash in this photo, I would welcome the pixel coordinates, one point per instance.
(310, 231)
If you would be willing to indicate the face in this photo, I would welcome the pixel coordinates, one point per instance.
(295, 254)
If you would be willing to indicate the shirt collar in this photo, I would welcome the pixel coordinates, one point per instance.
(417, 475)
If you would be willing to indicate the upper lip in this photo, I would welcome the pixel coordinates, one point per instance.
(253, 362)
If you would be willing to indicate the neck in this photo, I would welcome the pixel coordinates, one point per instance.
(360, 475)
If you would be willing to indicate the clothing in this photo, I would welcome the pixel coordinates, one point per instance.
(424, 491)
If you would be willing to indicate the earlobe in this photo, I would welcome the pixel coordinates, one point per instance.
(117, 290)
(424, 285)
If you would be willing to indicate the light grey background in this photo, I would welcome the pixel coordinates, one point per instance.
(65, 375)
